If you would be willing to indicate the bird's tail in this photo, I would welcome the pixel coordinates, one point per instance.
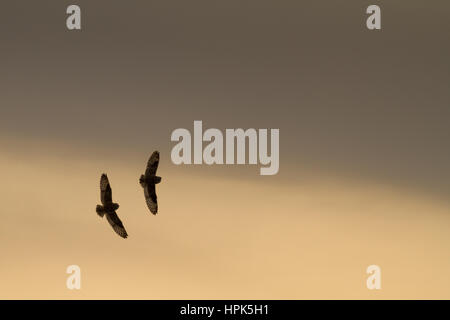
(100, 211)
(142, 181)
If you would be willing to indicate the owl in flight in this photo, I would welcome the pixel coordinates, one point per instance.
(109, 208)
(148, 182)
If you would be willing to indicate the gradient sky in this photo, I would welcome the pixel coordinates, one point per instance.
(364, 164)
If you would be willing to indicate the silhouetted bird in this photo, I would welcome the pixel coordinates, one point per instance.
(148, 181)
(109, 208)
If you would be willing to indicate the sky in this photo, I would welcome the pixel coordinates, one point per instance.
(364, 161)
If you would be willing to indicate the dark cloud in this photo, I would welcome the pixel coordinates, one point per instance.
(374, 104)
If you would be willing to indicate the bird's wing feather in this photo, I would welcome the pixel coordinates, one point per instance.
(152, 164)
(105, 190)
(151, 198)
(117, 225)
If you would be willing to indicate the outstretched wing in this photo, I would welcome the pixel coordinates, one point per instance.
(117, 225)
(105, 190)
(151, 198)
(152, 164)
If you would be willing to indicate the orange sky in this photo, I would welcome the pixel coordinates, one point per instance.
(215, 237)
(364, 160)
